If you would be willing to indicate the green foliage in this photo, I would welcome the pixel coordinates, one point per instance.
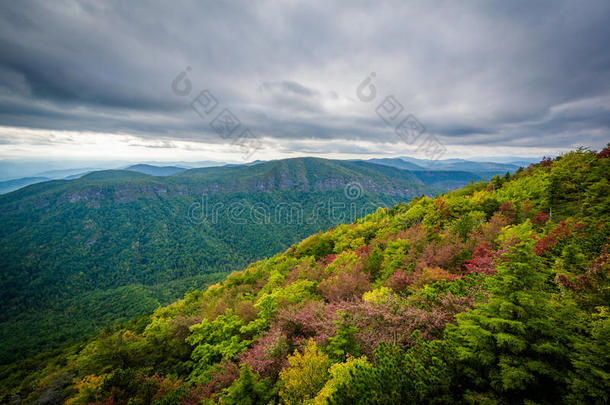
(590, 382)
(372, 263)
(340, 373)
(247, 390)
(216, 340)
(417, 376)
(467, 222)
(81, 255)
(399, 275)
(344, 343)
(517, 344)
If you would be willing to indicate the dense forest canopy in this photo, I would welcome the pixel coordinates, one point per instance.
(495, 293)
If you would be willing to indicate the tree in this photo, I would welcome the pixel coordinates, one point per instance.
(591, 381)
(215, 340)
(419, 375)
(516, 346)
(248, 389)
(340, 374)
(307, 374)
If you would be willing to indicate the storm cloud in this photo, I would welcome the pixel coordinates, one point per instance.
(522, 75)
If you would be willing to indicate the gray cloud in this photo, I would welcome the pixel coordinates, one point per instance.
(520, 73)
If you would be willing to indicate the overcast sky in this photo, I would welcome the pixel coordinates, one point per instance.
(93, 79)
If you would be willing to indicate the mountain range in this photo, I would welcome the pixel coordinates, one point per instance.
(493, 293)
(113, 244)
(482, 169)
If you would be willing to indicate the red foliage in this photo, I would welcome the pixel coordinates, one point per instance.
(246, 311)
(597, 274)
(507, 209)
(330, 258)
(269, 355)
(602, 262)
(441, 205)
(313, 319)
(417, 236)
(305, 272)
(490, 230)
(395, 320)
(482, 261)
(227, 372)
(442, 253)
(181, 326)
(363, 251)
(430, 275)
(563, 280)
(561, 233)
(604, 153)
(546, 162)
(541, 218)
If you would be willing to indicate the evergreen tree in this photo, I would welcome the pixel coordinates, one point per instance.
(517, 345)
(247, 389)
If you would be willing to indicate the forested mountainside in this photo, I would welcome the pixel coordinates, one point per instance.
(78, 255)
(496, 293)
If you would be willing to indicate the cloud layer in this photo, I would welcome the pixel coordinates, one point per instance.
(523, 77)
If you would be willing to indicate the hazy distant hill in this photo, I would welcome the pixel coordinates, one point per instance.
(481, 169)
(398, 163)
(11, 185)
(155, 170)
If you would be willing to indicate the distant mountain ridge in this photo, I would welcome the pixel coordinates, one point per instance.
(155, 170)
(480, 169)
(483, 169)
(12, 185)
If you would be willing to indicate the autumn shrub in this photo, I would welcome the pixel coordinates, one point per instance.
(429, 275)
(555, 239)
(393, 320)
(482, 261)
(346, 284)
(399, 281)
(306, 375)
(507, 208)
(269, 354)
(311, 319)
(449, 252)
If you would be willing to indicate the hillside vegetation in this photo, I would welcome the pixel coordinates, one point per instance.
(79, 255)
(496, 293)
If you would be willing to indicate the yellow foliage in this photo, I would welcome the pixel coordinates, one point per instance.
(87, 387)
(307, 374)
(378, 295)
(339, 374)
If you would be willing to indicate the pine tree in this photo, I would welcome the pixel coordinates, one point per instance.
(247, 389)
(516, 346)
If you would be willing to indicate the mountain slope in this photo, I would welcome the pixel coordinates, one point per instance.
(493, 293)
(77, 244)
